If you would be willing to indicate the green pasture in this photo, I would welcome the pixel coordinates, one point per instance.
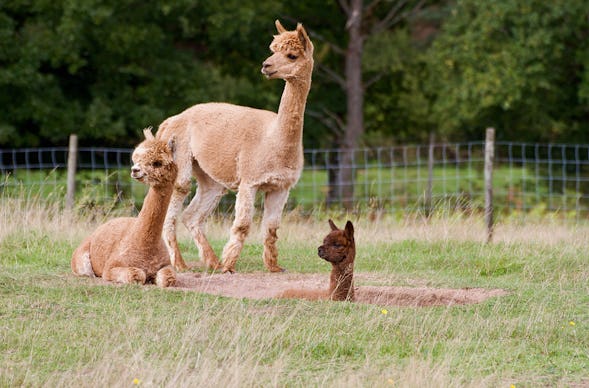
(60, 330)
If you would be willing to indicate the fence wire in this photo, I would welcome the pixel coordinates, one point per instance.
(527, 177)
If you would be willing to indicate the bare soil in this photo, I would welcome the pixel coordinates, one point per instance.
(262, 285)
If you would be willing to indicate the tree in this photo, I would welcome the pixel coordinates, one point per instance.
(516, 65)
(104, 69)
(361, 21)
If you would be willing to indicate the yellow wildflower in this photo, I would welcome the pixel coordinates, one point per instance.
(384, 311)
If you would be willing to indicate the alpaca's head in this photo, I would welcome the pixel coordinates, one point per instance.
(292, 57)
(153, 161)
(338, 246)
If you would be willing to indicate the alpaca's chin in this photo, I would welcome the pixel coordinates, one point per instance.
(269, 75)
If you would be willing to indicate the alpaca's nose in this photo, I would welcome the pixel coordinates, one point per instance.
(135, 169)
(266, 69)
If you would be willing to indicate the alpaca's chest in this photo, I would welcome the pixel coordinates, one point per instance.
(282, 179)
(150, 257)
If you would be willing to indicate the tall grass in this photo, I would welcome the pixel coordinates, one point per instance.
(59, 330)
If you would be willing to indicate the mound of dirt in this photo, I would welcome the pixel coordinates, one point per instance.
(262, 285)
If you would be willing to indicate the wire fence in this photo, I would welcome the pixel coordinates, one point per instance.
(528, 178)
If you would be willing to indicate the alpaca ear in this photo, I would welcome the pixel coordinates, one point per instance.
(304, 38)
(279, 27)
(349, 230)
(147, 133)
(332, 225)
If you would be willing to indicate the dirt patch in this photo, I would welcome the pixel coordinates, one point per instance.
(262, 285)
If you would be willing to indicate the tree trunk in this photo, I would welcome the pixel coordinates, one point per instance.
(355, 103)
(333, 192)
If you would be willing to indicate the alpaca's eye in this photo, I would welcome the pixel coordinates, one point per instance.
(291, 56)
(157, 163)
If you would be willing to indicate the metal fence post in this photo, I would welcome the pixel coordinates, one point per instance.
(71, 172)
(489, 156)
(430, 177)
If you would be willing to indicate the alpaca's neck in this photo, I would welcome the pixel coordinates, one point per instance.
(341, 282)
(151, 218)
(292, 111)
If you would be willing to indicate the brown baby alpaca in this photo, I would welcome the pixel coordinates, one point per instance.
(131, 250)
(339, 249)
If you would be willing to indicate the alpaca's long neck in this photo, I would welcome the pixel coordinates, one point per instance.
(291, 113)
(150, 220)
(341, 282)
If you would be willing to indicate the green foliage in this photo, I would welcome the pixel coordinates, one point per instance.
(399, 104)
(105, 69)
(513, 65)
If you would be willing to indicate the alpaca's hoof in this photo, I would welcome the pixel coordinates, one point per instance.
(167, 282)
(136, 276)
(165, 278)
(213, 266)
(276, 269)
(230, 270)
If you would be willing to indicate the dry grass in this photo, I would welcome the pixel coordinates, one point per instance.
(19, 214)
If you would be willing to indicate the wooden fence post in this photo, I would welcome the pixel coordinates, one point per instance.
(489, 157)
(71, 172)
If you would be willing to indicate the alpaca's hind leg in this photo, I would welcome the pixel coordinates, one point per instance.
(207, 197)
(169, 230)
(124, 275)
(81, 264)
(274, 202)
(166, 277)
(244, 211)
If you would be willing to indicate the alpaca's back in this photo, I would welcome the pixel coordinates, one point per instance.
(219, 123)
(106, 240)
(304, 294)
(232, 143)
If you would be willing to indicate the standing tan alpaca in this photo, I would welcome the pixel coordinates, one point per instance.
(131, 250)
(230, 147)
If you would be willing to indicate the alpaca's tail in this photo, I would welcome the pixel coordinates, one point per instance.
(81, 264)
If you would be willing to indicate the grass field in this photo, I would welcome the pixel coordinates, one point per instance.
(59, 330)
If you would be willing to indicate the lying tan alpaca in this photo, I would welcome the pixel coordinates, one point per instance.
(230, 147)
(131, 250)
(339, 249)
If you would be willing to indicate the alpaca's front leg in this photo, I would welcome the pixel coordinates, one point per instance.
(169, 230)
(124, 275)
(273, 204)
(244, 212)
(166, 277)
